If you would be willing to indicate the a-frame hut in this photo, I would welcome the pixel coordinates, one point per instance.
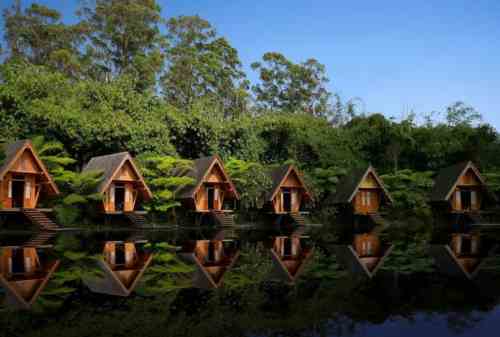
(290, 255)
(123, 265)
(288, 192)
(24, 274)
(365, 256)
(212, 186)
(211, 258)
(24, 178)
(123, 186)
(461, 189)
(464, 256)
(362, 191)
(25, 182)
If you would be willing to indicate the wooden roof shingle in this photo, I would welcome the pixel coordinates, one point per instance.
(348, 185)
(201, 168)
(278, 176)
(109, 165)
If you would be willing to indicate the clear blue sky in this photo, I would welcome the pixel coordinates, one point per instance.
(396, 55)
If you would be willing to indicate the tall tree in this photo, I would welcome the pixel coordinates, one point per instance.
(38, 35)
(291, 87)
(202, 65)
(124, 38)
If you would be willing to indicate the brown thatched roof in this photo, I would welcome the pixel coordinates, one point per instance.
(201, 168)
(348, 185)
(448, 178)
(109, 165)
(278, 176)
(12, 153)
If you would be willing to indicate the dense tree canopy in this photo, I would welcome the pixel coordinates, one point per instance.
(125, 78)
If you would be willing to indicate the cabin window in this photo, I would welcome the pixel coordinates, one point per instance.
(28, 190)
(473, 197)
(367, 248)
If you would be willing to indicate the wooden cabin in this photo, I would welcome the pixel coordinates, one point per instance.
(290, 255)
(362, 191)
(24, 274)
(123, 187)
(366, 255)
(460, 189)
(123, 264)
(288, 192)
(464, 255)
(212, 259)
(212, 186)
(24, 179)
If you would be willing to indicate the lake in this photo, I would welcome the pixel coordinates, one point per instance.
(248, 281)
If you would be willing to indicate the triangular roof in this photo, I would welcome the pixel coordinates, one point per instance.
(14, 298)
(448, 178)
(350, 258)
(202, 278)
(448, 262)
(348, 185)
(110, 165)
(199, 171)
(281, 271)
(14, 151)
(111, 284)
(279, 175)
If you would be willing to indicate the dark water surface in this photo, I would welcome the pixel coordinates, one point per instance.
(293, 281)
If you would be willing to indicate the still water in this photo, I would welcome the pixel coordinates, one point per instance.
(280, 281)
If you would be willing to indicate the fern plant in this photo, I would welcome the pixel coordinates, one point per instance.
(165, 175)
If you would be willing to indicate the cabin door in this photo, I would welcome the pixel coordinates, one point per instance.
(17, 191)
(120, 254)
(119, 197)
(287, 200)
(18, 261)
(466, 199)
(210, 198)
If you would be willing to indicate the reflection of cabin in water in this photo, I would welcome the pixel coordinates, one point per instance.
(288, 193)
(464, 255)
(460, 189)
(24, 273)
(362, 192)
(366, 255)
(123, 265)
(212, 189)
(212, 259)
(290, 255)
(25, 183)
(123, 187)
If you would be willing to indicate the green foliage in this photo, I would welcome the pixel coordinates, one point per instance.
(165, 175)
(203, 66)
(252, 181)
(289, 87)
(52, 154)
(124, 38)
(80, 199)
(167, 272)
(410, 190)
